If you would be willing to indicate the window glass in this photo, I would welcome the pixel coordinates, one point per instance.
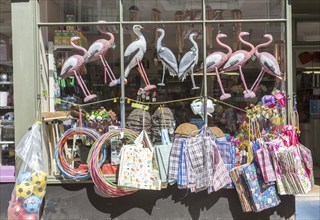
(245, 9)
(157, 10)
(56, 40)
(227, 117)
(78, 10)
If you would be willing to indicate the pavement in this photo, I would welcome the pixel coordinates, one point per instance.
(308, 205)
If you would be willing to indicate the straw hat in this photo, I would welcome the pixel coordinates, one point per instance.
(185, 129)
(217, 131)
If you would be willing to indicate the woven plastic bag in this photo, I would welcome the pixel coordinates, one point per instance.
(163, 154)
(138, 166)
(30, 186)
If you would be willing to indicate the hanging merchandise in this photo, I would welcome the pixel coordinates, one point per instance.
(264, 161)
(189, 60)
(262, 196)
(241, 188)
(268, 63)
(215, 60)
(237, 60)
(163, 154)
(198, 108)
(227, 152)
(98, 50)
(293, 174)
(68, 170)
(133, 56)
(139, 120)
(162, 118)
(166, 57)
(109, 188)
(196, 164)
(73, 65)
(138, 165)
(30, 186)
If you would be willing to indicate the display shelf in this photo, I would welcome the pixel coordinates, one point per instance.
(6, 83)
(6, 107)
(62, 47)
(6, 62)
(6, 142)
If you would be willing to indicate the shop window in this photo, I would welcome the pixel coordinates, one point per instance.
(171, 16)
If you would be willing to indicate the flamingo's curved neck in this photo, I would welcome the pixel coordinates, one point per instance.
(85, 52)
(111, 39)
(263, 45)
(160, 40)
(247, 44)
(225, 46)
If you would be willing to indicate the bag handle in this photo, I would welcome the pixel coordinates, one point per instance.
(144, 138)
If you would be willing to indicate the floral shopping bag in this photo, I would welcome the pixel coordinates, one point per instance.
(263, 196)
(138, 166)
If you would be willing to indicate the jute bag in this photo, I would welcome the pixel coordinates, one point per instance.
(138, 166)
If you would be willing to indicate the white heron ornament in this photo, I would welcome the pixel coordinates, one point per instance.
(133, 56)
(166, 57)
(188, 61)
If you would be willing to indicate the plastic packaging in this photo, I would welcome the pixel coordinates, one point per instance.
(30, 186)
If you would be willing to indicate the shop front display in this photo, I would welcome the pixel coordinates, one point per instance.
(188, 96)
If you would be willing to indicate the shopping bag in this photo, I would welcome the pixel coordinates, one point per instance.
(138, 166)
(306, 157)
(30, 186)
(221, 176)
(227, 152)
(163, 154)
(263, 196)
(264, 161)
(241, 187)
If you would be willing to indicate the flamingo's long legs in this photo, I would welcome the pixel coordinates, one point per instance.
(254, 87)
(249, 93)
(141, 72)
(107, 70)
(224, 95)
(88, 95)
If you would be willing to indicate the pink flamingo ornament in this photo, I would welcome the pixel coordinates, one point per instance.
(73, 65)
(215, 60)
(133, 56)
(237, 60)
(267, 62)
(97, 51)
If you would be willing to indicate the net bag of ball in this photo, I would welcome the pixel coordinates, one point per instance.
(30, 186)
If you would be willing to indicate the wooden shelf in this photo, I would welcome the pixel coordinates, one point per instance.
(6, 142)
(6, 107)
(6, 62)
(63, 47)
(6, 83)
